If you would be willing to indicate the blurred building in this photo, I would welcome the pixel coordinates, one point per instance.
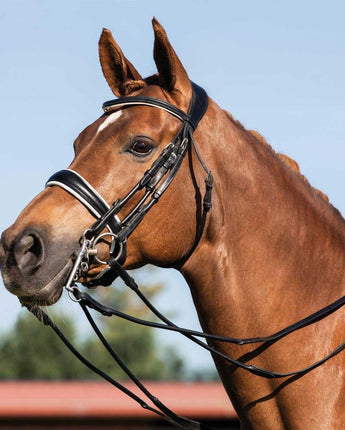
(97, 405)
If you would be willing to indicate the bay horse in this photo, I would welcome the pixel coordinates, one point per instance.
(272, 249)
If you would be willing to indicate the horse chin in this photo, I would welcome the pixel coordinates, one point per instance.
(51, 292)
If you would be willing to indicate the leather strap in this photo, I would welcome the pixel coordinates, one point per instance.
(79, 188)
(196, 111)
(86, 300)
(198, 105)
(147, 101)
(159, 407)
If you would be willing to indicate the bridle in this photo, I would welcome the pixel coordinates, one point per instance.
(155, 181)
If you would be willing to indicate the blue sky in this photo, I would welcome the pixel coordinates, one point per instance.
(277, 66)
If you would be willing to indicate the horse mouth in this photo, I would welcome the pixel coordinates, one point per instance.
(52, 291)
(93, 274)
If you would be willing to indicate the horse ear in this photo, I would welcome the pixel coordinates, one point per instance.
(172, 75)
(121, 75)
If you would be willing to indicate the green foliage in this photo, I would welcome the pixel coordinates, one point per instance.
(33, 351)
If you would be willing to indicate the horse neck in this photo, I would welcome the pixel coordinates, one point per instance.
(271, 243)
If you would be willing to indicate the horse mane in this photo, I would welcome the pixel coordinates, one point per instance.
(290, 163)
(286, 160)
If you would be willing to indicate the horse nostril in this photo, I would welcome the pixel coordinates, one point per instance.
(28, 252)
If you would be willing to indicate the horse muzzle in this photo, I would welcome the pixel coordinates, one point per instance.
(30, 269)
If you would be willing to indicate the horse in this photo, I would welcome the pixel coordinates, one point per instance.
(272, 248)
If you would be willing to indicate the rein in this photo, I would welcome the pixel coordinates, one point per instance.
(155, 181)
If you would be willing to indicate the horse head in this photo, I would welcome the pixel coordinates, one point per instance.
(271, 253)
(111, 154)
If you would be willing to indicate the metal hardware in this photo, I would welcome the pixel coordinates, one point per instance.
(95, 242)
(74, 275)
(71, 294)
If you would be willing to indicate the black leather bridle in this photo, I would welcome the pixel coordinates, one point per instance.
(155, 181)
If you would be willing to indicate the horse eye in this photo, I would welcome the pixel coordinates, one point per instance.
(140, 147)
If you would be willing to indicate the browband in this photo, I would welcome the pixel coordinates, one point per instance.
(197, 108)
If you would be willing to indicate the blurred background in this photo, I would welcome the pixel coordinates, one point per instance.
(278, 67)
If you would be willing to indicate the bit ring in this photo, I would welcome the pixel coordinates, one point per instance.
(98, 238)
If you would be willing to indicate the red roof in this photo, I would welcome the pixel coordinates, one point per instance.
(98, 399)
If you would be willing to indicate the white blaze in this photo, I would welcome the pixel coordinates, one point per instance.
(109, 120)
